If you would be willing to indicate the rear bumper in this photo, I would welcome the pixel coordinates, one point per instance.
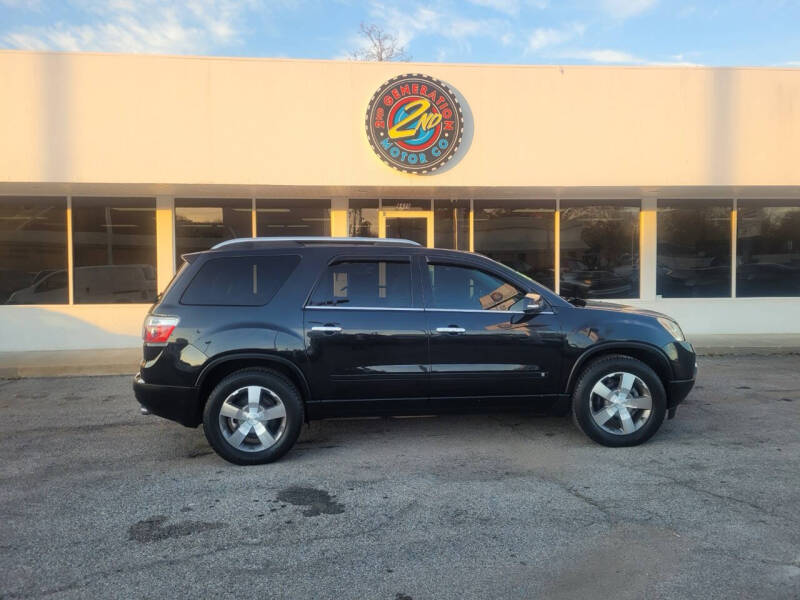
(175, 403)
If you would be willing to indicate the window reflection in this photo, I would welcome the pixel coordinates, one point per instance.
(451, 224)
(599, 250)
(768, 250)
(463, 288)
(202, 223)
(33, 250)
(694, 249)
(281, 218)
(114, 250)
(520, 234)
(362, 218)
(366, 284)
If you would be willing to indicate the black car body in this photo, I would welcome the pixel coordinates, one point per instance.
(431, 343)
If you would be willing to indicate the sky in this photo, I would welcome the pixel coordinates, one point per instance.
(626, 32)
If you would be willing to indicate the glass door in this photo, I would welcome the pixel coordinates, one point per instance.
(414, 225)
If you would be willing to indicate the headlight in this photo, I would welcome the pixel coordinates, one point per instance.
(672, 328)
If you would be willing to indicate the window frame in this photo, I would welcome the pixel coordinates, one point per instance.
(396, 258)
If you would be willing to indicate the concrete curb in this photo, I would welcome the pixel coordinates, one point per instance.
(59, 363)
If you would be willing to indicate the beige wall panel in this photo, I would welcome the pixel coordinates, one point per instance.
(150, 119)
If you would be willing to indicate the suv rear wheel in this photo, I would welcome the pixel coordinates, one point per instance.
(253, 416)
(619, 401)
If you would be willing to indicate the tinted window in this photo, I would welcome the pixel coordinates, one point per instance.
(362, 218)
(200, 224)
(239, 281)
(368, 284)
(694, 249)
(464, 288)
(768, 249)
(114, 250)
(293, 217)
(599, 250)
(451, 224)
(33, 248)
(518, 233)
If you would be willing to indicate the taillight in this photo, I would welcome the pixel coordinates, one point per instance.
(158, 329)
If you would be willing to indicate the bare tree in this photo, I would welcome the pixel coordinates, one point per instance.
(379, 45)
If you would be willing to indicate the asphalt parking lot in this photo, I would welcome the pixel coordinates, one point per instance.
(98, 501)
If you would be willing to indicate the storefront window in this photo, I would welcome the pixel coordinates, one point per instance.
(362, 218)
(694, 249)
(281, 218)
(202, 223)
(768, 249)
(114, 250)
(33, 251)
(451, 224)
(518, 233)
(599, 249)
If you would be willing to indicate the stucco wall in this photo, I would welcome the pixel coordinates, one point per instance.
(150, 119)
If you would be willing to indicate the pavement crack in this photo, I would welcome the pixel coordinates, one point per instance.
(723, 497)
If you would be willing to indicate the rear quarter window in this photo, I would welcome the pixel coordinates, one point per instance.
(239, 280)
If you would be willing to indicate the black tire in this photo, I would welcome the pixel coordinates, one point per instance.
(286, 430)
(582, 400)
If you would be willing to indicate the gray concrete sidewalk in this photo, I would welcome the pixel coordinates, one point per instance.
(125, 361)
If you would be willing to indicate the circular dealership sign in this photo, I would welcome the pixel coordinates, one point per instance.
(414, 123)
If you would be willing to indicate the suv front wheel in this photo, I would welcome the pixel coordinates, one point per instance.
(619, 401)
(253, 416)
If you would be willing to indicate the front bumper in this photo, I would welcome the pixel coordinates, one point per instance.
(175, 403)
(677, 392)
(678, 389)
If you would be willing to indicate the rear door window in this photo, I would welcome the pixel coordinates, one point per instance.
(239, 280)
(365, 284)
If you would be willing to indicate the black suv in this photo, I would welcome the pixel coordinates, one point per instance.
(257, 335)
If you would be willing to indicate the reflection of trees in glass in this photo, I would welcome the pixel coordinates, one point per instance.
(694, 231)
(768, 249)
(608, 238)
(361, 222)
(777, 230)
(518, 234)
(600, 251)
(694, 244)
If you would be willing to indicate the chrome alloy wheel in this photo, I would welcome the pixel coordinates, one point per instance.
(252, 418)
(620, 403)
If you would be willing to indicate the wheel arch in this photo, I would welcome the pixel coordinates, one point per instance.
(223, 366)
(650, 355)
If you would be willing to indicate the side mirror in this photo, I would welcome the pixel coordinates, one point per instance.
(535, 303)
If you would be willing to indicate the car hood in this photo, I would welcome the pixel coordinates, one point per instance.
(624, 308)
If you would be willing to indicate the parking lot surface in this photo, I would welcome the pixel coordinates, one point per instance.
(98, 501)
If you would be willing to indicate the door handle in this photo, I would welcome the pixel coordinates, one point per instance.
(450, 329)
(326, 328)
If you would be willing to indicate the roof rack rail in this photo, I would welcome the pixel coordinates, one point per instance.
(319, 239)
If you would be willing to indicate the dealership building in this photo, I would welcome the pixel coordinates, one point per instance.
(670, 188)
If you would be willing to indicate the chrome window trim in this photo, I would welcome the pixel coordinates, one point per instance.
(463, 310)
(475, 310)
(361, 308)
